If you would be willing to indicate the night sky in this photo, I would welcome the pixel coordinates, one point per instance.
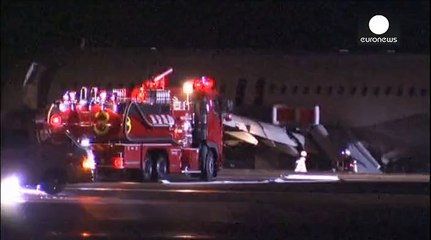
(28, 27)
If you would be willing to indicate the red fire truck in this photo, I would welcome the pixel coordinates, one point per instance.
(154, 129)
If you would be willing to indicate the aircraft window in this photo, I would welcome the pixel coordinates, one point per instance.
(364, 91)
(329, 90)
(318, 89)
(376, 91)
(412, 91)
(306, 90)
(400, 91)
(423, 92)
(294, 89)
(271, 88)
(260, 86)
(340, 90)
(353, 90)
(388, 91)
(240, 91)
(283, 89)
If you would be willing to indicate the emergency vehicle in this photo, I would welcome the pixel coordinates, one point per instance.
(154, 129)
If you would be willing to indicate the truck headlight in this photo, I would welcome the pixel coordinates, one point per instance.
(88, 161)
(11, 191)
(85, 142)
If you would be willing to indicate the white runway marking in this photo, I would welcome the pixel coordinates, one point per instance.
(34, 195)
(281, 179)
(215, 182)
(312, 177)
(291, 178)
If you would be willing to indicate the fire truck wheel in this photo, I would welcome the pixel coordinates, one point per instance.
(208, 167)
(148, 166)
(162, 167)
(53, 181)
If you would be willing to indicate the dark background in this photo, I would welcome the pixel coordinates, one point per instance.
(28, 27)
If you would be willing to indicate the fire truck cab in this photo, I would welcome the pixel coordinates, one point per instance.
(154, 130)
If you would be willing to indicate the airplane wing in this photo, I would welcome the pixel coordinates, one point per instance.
(247, 130)
(243, 136)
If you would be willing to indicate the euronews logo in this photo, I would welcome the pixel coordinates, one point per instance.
(378, 30)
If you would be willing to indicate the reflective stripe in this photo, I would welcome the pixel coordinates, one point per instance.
(159, 119)
(153, 120)
(171, 120)
(165, 120)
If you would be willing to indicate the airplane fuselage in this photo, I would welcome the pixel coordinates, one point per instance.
(353, 89)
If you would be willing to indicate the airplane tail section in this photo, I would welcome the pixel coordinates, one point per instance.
(36, 85)
(31, 85)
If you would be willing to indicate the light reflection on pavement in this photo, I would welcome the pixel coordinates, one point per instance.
(173, 209)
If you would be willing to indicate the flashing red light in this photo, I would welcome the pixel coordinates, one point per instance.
(118, 162)
(134, 93)
(208, 82)
(55, 120)
(203, 84)
(197, 85)
(161, 84)
(138, 94)
(149, 84)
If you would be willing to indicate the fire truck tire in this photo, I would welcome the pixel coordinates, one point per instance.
(162, 167)
(148, 172)
(208, 164)
(53, 181)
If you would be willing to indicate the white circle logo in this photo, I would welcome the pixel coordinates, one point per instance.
(378, 24)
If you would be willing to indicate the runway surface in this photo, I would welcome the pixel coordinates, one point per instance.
(290, 206)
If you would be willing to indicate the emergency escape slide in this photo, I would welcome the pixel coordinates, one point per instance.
(278, 132)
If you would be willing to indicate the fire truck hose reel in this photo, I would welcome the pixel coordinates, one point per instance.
(102, 119)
